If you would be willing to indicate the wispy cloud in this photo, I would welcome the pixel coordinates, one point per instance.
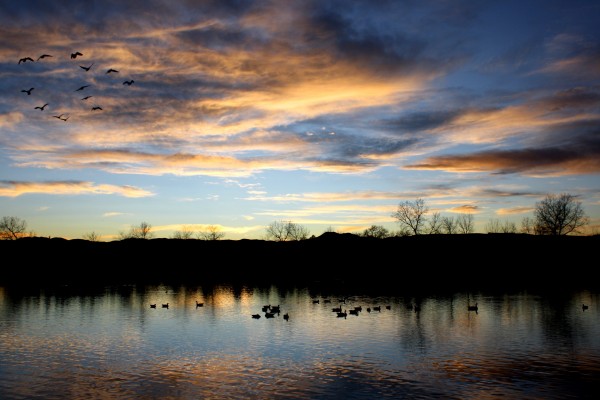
(514, 210)
(15, 189)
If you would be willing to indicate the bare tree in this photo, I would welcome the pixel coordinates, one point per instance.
(211, 233)
(91, 236)
(449, 225)
(376, 231)
(528, 226)
(282, 231)
(184, 233)
(465, 223)
(411, 214)
(559, 215)
(12, 228)
(141, 231)
(496, 226)
(435, 223)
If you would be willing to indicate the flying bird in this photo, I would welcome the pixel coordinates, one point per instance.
(43, 56)
(86, 97)
(42, 107)
(83, 87)
(74, 55)
(58, 116)
(96, 108)
(27, 91)
(128, 83)
(25, 59)
(86, 68)
(111, 70)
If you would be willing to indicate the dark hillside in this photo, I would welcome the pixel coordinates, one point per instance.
(424, 262)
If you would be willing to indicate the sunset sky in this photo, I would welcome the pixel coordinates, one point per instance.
(324, 113)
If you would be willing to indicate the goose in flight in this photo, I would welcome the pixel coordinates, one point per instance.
(74, 55)
(25, 59)
(41, 108)
(86, 68)
(111, 70)
(86, 97)
(43, 56)
(27, 91)
(128, 83)
(61, 117)
(83, 87)
(96, 108)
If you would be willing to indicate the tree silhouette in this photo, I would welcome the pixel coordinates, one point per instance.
(435, 223)
(559, 215)
(141, 231)
(411, 214)
(185, 233)
(282, 231)
(12, 228)
(91, 236)
(211, 233)
(465, 223)
(376, 231)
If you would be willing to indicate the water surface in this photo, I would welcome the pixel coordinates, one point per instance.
(109, 343)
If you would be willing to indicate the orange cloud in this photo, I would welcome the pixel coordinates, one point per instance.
(15, 189)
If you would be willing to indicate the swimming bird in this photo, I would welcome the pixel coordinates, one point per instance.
(43, 56)
(377, 308)
(74, 55)
(128, 83)
(199, 304)
(473, 308)
(354, 312)
(96, 108)
(286, 316)
(42, 107)
(83, 87)
(337, 309)
(111, 70)
(25, 59)
(165, 305)
(269, 315)
(27, 91)
(342, 314)
(584, 307)
(257, 316)
(86, 68)
(152, 305)
(388, 307)
(417, 308)
(316, 301)
(86, 97)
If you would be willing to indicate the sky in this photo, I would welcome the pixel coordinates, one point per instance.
(325, 113)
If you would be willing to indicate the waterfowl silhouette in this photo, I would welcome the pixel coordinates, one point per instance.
(128, 83)
(86, 68)
(473, 308)
(74, 55)
(199, 304)
(286, 316)
(86, 97)
(269, 315)
(96, 108)
(83, 87)
(377, 308)
(342, 314)
(388, 307)
(27, 91)
(25, 59)
(111, 70)
(354, 312)
(43, 56)
(257, 316)
(337, 309)
(165, 305)
(584, 307)
(153, 305)
(41, 108)
(315, 301)
(417, 308)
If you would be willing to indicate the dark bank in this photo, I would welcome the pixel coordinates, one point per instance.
(425, 262)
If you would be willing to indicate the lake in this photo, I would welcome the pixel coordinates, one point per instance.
(109, 343)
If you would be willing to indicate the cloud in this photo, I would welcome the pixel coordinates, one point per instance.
(113, 214)
(514, 210)
(15, 189)
(465, 209)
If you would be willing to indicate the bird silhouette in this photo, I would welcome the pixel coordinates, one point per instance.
(65, 119)
(42, 107)
(198, 304)
(25, 59)
(128, 83)
(86, 97)
(27, 91)
(74, 55)
(584, 307)
(111, 70)
(58, 116)
(86, 68)
(96, 108)
(256, 316)
(286, 316)
(83, 87)
(152, 305)
(43, 56)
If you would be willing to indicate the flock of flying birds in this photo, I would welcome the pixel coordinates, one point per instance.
(74, 55)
